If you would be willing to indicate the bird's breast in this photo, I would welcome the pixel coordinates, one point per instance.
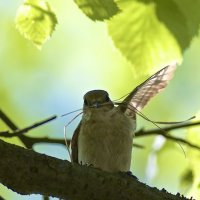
(105, 140)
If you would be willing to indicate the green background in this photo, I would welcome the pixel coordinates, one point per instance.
(80, 56)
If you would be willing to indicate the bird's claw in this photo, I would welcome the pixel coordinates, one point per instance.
(129, 173)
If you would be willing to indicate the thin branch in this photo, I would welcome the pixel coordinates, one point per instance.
(7, 121)
(26, 129)
(1, 198)
(30, 141)
(165, 129)
(14, 127)
(164, 132)
(177, 139)
(2, 133)
(138, 146)
(37, 140)
(26, 140)
(37, 124)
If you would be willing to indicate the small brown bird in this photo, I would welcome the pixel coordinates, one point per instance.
(105, 133)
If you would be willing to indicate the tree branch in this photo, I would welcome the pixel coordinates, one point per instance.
(17, 132)
(1, 198)
(7, 121)
(177, 139)
(28, 172)
(165, 129)
(164, 132)
(36, 140)
(14, 127)
(30, 141)
(27, 140)
(35, 125)
(52, 177)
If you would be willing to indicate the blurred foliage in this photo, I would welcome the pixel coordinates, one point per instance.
(186, 180)
(98, 9)
(81, 56)
(142, 38)
(143, 28)
(191, 178)
(36, 21)
(180, 17)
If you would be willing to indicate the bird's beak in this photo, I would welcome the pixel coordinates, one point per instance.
(96, 105)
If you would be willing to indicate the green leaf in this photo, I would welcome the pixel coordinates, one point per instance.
(142, 38)
(182, 18)
(98, 9)
(193, 155)
(36, 21)
(186, 180)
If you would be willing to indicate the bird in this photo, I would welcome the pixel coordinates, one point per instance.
(104, 137)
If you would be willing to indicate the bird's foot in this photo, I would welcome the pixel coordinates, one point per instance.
(89, 165)
(129, 173)
(86, 164)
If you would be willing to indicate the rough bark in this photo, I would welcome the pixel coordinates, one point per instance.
(27, 172)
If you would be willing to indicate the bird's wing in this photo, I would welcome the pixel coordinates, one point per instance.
(140, 96)
(74, 144)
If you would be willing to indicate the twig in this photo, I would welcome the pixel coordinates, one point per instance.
(165, 129)
(7, 121)
(4, 133)
(24, 130)
(177, 139)
(164, 132)
(138, 146)
(26, 140)
(30, 141)
(13, 127)
(1, 198)
(37, 140)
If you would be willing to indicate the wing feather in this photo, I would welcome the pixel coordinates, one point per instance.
(141, 95)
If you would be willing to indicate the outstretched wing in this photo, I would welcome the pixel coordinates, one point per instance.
(140, 96)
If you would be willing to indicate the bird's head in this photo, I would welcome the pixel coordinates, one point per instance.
(97, 99)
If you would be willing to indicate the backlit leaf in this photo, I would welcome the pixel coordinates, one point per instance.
(194, 159)
(36, 21)
(98, 9)
(182, 18)
(142, 38)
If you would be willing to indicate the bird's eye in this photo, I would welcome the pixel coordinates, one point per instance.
(107, 99)
(85, 102)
